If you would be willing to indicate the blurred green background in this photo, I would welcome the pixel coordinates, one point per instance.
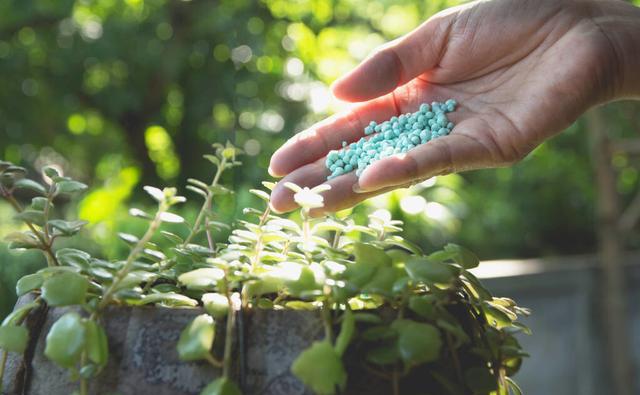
(123, 93)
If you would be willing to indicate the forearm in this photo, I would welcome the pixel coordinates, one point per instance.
(620, 22)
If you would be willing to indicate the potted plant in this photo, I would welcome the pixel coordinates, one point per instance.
(322, 305)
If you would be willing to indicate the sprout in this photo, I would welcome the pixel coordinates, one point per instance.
(308, 198)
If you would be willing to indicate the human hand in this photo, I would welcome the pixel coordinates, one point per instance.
(521, 71)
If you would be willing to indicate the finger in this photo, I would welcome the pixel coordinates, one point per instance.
(397, 62)
(453, 153)
(314, 143)
(348, 198)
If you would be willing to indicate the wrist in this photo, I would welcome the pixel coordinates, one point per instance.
(619, 22)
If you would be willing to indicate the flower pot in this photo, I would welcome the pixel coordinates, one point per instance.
(143, 357)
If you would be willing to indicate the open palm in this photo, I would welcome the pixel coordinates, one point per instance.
(520, 70)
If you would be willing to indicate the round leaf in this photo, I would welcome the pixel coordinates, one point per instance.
(28, 283)
(97, 344)
(196, 339)
(417, 342)
(216, 304)
(66, 340)
(221, 386)
(30, 185)
(320, 368)
(201, 279)
(64, 289)
(347, 328)
(423, 269)
(13, 338)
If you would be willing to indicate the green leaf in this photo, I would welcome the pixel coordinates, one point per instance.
(155, 193)
(39, 203)
(221, 386)
(28, 283)
(74, 258)
(320, 368)
(383, 355)
(50, 171)
(128, 238)
(382, 281)
(368, 260)
(422, 269)
(417, 342)
(31, 216)
(172, 237)
(97, 345)
(137, 213)
(463, 256)
(213, 159)
(513, 386)
(4, 165)
(368, 318)
(496, 315)
(197, 190)
(219, 190)
(13, 338)
(406, 244)
(67, 228)
(480, 380)
(347, 329)
(19, 313)
(460, 336)
(201, 279)
(379, 333)
(196, 339)
(423, 305)
(30, 185)
(478, 290)
(366, 253)
(66, 340)
(171, 218)
(22, 240)
(261, 194)
(70, 186)
(64, 289)
(216, 304)
(300, 305)
(171, 299)
(305, 283)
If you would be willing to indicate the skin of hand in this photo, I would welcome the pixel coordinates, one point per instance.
(521, 71)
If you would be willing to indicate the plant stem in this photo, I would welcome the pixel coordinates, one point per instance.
(256, 256)
(395, 381)
(83, 382)
(207, 203)
(326, 317)
(214, 362)
(3, 364)
(45, 246)
(228, 340)
(454, 356)
(336, 238)
(139, 247)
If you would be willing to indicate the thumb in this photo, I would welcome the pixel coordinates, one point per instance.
(397, 62)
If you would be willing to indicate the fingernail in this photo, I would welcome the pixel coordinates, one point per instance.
(271, 172)
(356, 188)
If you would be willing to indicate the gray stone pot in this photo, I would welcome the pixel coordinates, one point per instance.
(143, 357)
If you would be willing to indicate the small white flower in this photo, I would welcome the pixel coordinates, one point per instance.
(308, 198)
